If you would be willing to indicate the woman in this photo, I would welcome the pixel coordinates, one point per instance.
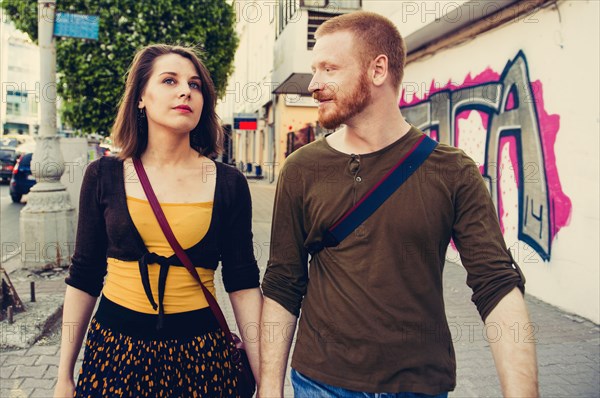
(167, 120)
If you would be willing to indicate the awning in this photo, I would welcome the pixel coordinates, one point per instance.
(296, 83)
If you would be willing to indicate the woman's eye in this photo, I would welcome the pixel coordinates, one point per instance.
(168, 80)
(195, 85)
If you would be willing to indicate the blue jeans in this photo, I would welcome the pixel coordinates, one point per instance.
(309, 388)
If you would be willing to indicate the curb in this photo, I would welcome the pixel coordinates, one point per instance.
(31, 325)
(40, 316)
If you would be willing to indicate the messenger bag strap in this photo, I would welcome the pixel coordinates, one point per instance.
(166, 228)
(377, 195)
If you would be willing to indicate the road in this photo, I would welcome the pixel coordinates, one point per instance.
(9, 223)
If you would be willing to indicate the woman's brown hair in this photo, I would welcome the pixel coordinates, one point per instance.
(130, 131)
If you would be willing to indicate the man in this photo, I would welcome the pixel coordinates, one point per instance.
(373, 316)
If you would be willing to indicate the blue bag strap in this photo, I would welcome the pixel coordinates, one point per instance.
(367, 205)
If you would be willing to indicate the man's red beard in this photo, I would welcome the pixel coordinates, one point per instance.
(346, 104)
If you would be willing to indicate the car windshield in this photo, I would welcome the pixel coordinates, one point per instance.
(12, 142)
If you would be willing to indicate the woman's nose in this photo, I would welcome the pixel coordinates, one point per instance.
(185, 92)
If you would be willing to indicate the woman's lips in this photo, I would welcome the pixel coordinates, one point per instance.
(183, 109)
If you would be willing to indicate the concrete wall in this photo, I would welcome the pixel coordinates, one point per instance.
(291, 54)
(76, 154)
(522, 100)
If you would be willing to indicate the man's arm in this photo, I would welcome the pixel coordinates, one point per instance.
(278, 327)
(496, 281)
(286, 277)
(514, 355)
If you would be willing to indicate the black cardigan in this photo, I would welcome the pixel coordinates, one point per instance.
(105, 229)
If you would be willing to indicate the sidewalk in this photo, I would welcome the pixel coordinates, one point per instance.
(568, 347)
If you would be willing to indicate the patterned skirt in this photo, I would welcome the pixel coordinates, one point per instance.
(126, 356)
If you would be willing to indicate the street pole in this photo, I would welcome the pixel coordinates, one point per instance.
(48, 219)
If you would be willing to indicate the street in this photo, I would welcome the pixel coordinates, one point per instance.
(9, 223)
(567, 345)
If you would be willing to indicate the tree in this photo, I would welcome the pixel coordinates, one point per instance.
(91, 74)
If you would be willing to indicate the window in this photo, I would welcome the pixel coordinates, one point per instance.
(286, 11)
(332, 5)
(13, 108)
(315, 19)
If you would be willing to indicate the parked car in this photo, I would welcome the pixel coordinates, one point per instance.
(22, 143)
(9, 141)
(8, 158)
(22, 180)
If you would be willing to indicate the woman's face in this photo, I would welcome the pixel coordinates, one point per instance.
(173, 96)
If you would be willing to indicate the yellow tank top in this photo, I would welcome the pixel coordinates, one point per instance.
(190, 223)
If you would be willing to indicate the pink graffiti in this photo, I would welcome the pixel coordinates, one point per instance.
(549, 125)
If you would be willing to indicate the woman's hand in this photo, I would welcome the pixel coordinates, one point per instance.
(64, 389)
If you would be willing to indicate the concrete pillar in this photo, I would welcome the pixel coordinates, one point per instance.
(48, 220)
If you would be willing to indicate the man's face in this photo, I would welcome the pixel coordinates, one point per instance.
(339, 82)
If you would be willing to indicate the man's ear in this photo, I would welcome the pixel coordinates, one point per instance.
(379, 69)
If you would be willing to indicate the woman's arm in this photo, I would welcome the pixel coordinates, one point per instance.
(77, 311)
(247, 305)
(86, 276)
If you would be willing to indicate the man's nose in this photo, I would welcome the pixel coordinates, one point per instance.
(314, 84)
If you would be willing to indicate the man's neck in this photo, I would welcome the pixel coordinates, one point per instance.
(370, 131)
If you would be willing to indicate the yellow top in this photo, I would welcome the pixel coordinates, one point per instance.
(190, 223)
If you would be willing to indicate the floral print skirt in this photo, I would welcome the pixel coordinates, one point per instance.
(148, 363)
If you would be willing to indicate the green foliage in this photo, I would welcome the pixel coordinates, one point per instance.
(91, 74)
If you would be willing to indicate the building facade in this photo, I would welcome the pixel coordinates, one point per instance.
(19, 76)
(270, 81)
(513, 83)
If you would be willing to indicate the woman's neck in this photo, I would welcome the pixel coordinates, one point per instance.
(170, 149)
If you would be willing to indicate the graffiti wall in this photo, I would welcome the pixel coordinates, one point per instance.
(522, 102)
(500, 121)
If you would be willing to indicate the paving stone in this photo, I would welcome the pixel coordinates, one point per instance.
(51, 372)
(20, 360)
(10, 384)
(16, 392)
(580, 390)
(38, 383)
(13, 352)
(47, 360)
(6, 371)
(43, 350)
(42, 393)
(552, 390)
(29, 371)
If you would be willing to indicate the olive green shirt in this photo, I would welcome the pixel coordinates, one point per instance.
(372, 316)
